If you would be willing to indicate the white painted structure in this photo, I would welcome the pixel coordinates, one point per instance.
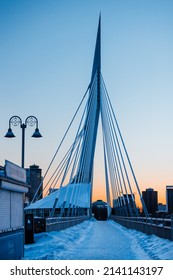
(78, 194)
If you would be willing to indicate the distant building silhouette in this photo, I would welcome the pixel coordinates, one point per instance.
(150, 198)
(169, 199)
(161, 207)
(125, 205)
(100, 210)
(34, 178)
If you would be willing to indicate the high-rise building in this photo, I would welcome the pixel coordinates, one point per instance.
(169, 199)
(150, 198)
(34, 179)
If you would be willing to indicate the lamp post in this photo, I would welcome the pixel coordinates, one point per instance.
(15, 121)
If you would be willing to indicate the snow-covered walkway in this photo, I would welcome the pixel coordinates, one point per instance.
(104, 242)
(98, 240)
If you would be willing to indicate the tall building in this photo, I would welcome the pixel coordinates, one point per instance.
(150, 198)
(169, 199)
(34, 179)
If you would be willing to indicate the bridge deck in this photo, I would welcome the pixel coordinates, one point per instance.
(93, 240)
(105, 242)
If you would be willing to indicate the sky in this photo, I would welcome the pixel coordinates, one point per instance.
(46, 54)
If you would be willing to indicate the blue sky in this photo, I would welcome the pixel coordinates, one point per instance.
(46, 55)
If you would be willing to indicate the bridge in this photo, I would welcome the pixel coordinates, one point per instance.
(68, 188)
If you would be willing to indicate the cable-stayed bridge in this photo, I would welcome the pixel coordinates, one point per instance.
(68, 188)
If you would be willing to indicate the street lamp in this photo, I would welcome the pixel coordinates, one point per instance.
(16, 120)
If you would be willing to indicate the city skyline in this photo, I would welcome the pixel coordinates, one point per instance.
(41, 76)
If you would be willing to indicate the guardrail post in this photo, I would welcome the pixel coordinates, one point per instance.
(171, 226)
(46, 225)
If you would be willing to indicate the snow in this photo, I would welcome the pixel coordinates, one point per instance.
(98, 240)
(80, 193)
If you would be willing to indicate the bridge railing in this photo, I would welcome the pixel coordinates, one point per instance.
(58, 223)
(161, 227)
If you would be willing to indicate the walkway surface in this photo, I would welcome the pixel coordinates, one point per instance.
(105, 242)
(98, 240)
(91, 240)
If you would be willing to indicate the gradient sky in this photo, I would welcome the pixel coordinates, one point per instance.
(46, 53)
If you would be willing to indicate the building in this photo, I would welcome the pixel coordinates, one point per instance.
(169, 199)
(34, 179)
(101, 210)
(12, 188)
(161, 207)
(125, 205)
(150, 198)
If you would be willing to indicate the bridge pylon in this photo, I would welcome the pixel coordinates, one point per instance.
(69, 187)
